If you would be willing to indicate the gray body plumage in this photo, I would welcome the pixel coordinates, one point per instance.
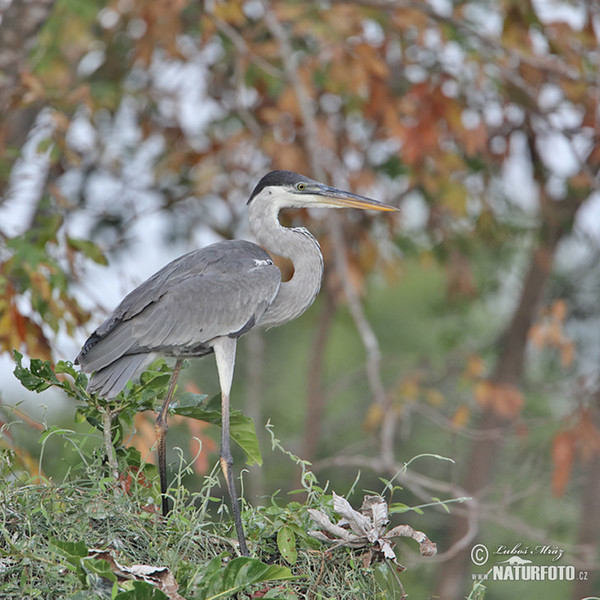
(221, 290)
(203, 301)
(218, 292)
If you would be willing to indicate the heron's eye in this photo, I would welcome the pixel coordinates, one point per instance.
(300, 187)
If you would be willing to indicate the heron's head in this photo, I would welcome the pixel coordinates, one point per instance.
(286, 189)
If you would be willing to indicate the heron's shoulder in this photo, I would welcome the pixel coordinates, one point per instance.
(226, 257)
(205, 271)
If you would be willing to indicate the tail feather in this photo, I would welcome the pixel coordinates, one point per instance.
(111, 379)
(105, 350)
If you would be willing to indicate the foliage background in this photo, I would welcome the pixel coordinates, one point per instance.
(466, 327)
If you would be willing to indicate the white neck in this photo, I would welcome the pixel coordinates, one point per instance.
(297, 244)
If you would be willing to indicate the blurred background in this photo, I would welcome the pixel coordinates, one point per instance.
(465, 326)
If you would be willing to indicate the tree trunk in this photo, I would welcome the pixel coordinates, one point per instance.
(507, 373)
(589, 523)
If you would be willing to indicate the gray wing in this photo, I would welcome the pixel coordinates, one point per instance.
(220, 290)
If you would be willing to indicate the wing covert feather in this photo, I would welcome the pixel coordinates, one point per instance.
(223, 289)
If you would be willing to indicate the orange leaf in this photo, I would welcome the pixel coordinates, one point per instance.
(410, 387)
(475, 366)
(559, 310)
(230, 12)
(288, 102)
(434, 397)
(504, 399)
(537, 335)
(567, 354)
(18, 322)
(461, 416)
(563, 454)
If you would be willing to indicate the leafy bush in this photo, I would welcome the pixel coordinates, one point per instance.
(96, 536)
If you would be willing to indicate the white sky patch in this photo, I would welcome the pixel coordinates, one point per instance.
(108, 18)
(517, 175)
(81, 135)
(254, 9)
(28, 178)
(552, 11)
(557, 153)
(549, 96)
(181, 90)
(373, 34)
(442, 7)
(415, 212)
(492, 113)
(453, 58)
(483, 19)
(588, 218)
(92, 60)
(120, 132)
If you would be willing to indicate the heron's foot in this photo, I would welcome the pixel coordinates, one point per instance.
(226, 465)
(160, 427)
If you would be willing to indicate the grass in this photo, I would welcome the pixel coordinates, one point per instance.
(51, 531)
(83, 536)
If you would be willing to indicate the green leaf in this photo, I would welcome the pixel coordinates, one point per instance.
(54, 430)
(237, 575)
(199, 406)
(74, 552)
(88, 248)
(158, 381)
(398, 507)
(286, 542)
(66, 366)
(40, 376)
(100, 567)
(243, 433)
(32, 381)
(71, 550)
(141, 590)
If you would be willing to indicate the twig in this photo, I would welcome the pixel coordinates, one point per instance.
(108, 445)
(243, 49)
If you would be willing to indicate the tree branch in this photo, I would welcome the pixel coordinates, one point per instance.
(317, 160)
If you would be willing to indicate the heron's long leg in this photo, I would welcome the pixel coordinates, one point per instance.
(225, 356)
(161, 426)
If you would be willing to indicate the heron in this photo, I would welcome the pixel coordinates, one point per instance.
(203, 301)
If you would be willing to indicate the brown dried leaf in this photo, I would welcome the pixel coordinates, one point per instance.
(360, 525)
(367, 528)
(160, 577)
